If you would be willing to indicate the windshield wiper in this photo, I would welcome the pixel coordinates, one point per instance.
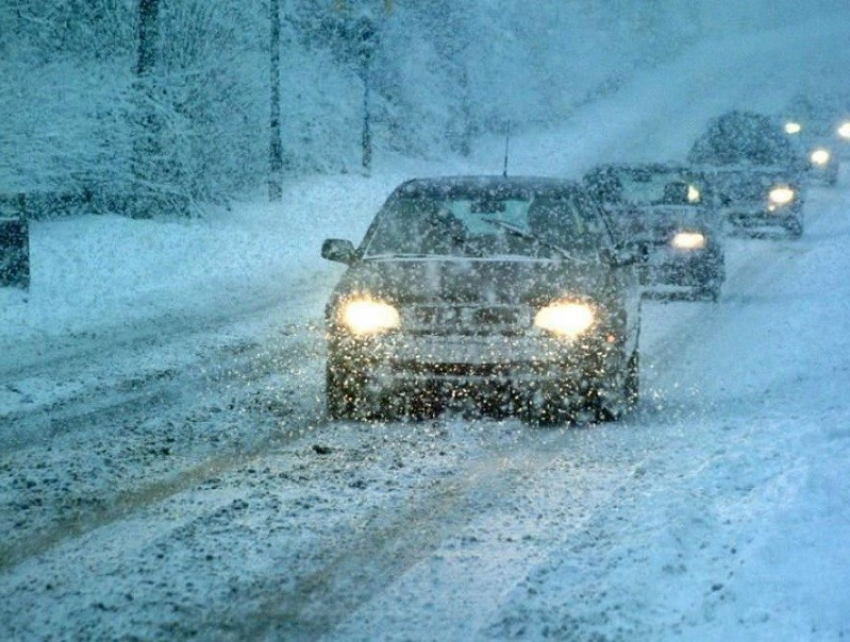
(521, 233)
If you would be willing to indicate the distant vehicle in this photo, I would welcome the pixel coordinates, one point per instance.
(755, 171)
(509, 292)
(666, 212)
(820, 126)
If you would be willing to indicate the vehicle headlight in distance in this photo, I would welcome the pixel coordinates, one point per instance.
(694, 195)
(781, 195)
(688, 240)
(368, 316)
(819, 157)
(844, 130)
(792, 127)
(565, 319)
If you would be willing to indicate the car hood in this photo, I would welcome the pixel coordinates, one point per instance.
(659, 222)
(469, 281)
(751, 183)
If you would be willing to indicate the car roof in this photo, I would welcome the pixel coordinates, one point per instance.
(497, 184)
(644, 167)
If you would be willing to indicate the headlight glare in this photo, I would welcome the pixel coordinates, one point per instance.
(844, 130)
(819, 157)
(688, 241)
(792, 127)
(566, 319)
(781, 195)
(694, 195)
(368, 316)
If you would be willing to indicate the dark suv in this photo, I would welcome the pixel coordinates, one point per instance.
(667, 213)
(510, 292)
(757, 173)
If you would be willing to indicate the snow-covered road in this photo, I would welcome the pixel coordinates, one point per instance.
(719, 508)
(167, 471)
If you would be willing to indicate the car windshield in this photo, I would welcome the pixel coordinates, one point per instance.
(743, 138)
(650, 188)
(528, 225)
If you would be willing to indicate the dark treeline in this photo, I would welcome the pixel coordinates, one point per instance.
(439, 73)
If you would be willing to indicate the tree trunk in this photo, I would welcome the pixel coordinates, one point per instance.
(146, 142)
(275, 143)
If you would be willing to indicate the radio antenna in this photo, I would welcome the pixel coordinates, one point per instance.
(507, 149)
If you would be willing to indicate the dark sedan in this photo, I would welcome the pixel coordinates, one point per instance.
(756, 172)
(665, 212)
(509, 292)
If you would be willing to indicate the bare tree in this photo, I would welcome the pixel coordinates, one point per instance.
(275, 143)
(146, 139)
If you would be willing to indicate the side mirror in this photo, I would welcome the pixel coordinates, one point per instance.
(339, 250)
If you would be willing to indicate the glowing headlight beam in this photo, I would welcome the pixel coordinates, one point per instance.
(793, 128)
(844, 131)
(366, 316)
(688, 241)
(819, 157)
(694, 195)
(566, 319)
(781, 195)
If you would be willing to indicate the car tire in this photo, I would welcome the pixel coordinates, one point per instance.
(620, 397)
(345, 392)
(711, 291)
(795, 228)
(632, 384)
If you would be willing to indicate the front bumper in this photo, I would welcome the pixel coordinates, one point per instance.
(452, 362)
(689, 269)
(758, 215)
(825, 174)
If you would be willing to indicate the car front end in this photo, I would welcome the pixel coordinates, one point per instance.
(686, 260)
(401, 349)
(757, 201)
(823, 165)
(504, 307)
(666, 211)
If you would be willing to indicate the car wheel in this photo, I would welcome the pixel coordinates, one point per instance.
(795, 228)
(632, 384)
(710, 291)
(345, 392)
(610, 402)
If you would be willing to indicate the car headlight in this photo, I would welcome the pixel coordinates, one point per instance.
(688, 241)
(368, 316)
(694, 195)
(844, 131)
(565, 319)
(792, 127)
(781, 195)
(819, 157)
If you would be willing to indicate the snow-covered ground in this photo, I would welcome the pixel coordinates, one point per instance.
(167, 471)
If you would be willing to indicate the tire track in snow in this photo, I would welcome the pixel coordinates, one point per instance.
(191, 386)
(385, 549)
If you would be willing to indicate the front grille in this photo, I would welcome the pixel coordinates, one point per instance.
(451, 369)
(466, 319)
